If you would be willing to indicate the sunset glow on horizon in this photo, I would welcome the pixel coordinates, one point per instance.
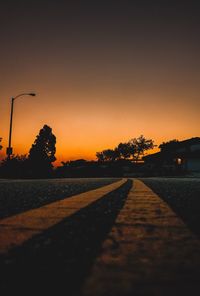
(101, 76)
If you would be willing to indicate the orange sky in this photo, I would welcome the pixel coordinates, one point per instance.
(101, 77)
(82, 128)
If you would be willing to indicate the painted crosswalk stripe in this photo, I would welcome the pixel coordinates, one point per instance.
(149, 251)
(15, 230)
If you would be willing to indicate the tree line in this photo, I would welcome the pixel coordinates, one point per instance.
(39, 161)
(131, 150)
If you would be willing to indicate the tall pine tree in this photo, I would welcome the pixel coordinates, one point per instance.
(42, 153)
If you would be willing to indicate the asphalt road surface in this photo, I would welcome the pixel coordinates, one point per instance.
(155, 244)
(20, 195)
(183, 196)
(60, 258)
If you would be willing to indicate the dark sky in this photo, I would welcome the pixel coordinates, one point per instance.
(144, 28)
(102, 55)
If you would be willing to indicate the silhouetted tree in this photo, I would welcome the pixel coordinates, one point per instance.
(42, 153)
(111, 154)
(107, 155)
(116, 154)
(124, 150)
(140, 145)
(135, 148)
(100, 156)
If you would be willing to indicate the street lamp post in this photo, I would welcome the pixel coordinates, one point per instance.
(9, 150)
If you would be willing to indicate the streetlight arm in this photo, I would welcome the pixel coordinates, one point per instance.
(24, 94)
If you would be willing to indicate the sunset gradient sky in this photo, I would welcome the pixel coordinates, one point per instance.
(104, 72)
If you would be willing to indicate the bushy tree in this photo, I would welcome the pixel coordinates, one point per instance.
(100, 156)
(42, 153)
(107, 155)
(140, 145)
(110, 154)
(124, 150)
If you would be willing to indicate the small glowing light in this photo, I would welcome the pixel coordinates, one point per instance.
(179, 160)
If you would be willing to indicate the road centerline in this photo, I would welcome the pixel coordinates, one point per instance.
(149, 251)
(17, 229)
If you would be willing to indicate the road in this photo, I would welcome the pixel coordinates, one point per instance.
(117, 239)
(17, 196)
(183, 195)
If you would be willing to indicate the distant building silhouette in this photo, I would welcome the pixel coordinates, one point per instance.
(184, 156)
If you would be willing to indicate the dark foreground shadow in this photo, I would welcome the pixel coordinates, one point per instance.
(60, 259)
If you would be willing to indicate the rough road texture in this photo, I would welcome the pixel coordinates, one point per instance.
(59, 259)
(17, 229)
(183, 196)
(149, 251)
(17, 196)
